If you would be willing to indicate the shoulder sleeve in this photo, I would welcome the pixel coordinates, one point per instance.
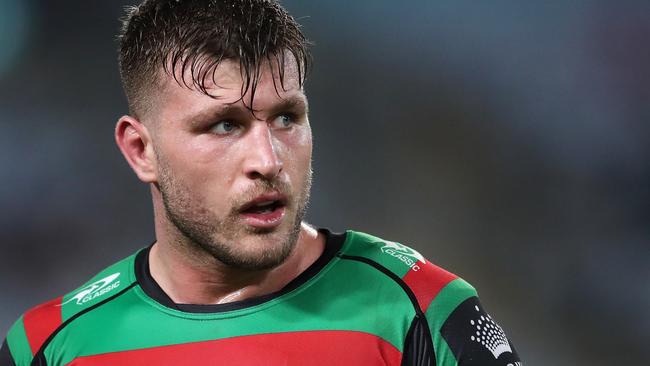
(30, 336)
(463, 333)
(454, 323)
(30, 331)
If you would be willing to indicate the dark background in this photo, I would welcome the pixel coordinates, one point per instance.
(508, 141)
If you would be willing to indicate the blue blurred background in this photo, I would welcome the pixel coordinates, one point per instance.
(508, 141)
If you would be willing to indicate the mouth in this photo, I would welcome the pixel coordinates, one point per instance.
(265, 211)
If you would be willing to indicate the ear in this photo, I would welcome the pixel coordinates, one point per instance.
(134, 141)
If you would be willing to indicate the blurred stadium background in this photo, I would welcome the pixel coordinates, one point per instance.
(508, 141)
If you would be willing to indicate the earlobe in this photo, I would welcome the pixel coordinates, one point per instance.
(133, 139)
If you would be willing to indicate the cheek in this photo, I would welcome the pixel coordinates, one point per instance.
(198, 162)
(299, 149)
(302, 140)
(192, 152)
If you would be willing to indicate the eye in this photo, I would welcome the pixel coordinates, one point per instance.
(283, 121)
(223, 127)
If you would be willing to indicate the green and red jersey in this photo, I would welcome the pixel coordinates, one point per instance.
(365, 301)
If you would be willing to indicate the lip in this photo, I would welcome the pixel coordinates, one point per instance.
(264, 220)
(271, 196)
(267, 220)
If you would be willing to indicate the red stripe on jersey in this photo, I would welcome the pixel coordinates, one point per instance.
(41, 321)
(314, 348)
(427, 281)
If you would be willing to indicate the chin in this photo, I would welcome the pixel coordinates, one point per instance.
(257, 250)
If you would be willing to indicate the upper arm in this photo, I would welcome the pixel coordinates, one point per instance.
(15, 349)
(463, 333)
(31, 331)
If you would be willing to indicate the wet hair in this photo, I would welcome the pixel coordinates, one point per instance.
(195, 36)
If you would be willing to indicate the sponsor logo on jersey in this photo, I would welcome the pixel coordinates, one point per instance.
(489, 334)
(405, 254)
(95, 289)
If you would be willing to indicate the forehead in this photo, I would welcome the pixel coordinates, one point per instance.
(218, 79)
(190, 91)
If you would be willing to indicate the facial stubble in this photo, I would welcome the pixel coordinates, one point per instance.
(203, 232)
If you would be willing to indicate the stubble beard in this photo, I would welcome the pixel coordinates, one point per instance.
(204, 232)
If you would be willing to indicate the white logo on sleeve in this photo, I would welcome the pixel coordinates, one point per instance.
(489, 334)
(95, 289)
(405, 254)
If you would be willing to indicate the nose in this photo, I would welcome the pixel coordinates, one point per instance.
(262, 159)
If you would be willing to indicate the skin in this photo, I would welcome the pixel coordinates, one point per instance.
(204, 158)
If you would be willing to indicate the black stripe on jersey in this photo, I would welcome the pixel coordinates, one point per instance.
(418, 346)
(5, 356)
(39, 357)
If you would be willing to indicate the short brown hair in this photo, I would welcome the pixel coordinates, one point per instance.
(196, 35)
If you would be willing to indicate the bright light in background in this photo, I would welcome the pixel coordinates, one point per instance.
(14, 23)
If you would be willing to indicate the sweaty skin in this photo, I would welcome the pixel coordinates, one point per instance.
(206, 159)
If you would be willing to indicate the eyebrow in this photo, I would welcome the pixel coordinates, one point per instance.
(296, 101)
(293, 102)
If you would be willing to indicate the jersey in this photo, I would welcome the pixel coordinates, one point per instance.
(364, 301)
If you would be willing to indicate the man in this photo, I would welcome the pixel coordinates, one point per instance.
(219, 129)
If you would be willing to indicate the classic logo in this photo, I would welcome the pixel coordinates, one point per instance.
(405, 254)
(95, 289)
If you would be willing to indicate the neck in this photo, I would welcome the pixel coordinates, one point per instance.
(189, 278)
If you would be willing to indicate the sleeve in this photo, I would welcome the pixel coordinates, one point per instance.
(15, 349)
(5, 356)
(463, 333)
(476, 339)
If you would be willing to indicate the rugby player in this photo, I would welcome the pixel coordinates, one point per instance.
(218, 128)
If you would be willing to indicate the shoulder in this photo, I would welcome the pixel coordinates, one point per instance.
(419, 277)
(460, 331)
(35, 328)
